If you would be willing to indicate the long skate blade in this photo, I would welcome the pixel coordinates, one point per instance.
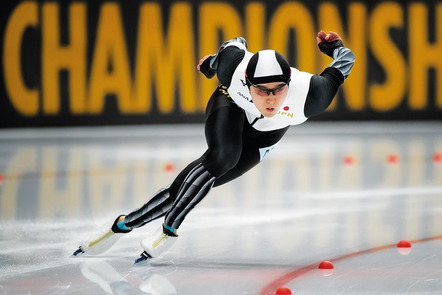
(143, 257)
(78, 251)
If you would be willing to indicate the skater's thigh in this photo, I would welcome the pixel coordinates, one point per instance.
(250, 157)
(256, 146)
(224, 135)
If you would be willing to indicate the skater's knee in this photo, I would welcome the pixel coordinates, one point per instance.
(220, 160)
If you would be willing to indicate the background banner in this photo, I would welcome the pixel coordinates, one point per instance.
(80, 63)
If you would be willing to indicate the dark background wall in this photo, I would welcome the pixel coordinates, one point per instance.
(69, 63)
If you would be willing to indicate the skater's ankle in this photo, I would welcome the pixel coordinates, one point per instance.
(170, 231)
(119, 225)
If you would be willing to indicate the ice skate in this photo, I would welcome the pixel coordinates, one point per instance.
(157, 244)
(104, 238)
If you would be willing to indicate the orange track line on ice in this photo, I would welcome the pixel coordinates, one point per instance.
(270, 289)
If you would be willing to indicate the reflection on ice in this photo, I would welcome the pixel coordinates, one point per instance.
(112, 282)
(157, 285)
(304, 204)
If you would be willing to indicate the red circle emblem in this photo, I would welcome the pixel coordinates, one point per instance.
(286, 108)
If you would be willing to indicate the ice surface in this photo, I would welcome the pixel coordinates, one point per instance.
(301, 206)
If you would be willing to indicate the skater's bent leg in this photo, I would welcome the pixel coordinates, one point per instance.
(160, 203)
(251, 156)
(194, 189)
(156, 207)
(249, 159)
(223, 130)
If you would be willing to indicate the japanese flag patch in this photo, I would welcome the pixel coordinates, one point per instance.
(288, 108)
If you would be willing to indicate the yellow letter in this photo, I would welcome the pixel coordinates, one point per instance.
(424, 56)
(294, 16)
(329, 20)
(255, 26)
(215, 17)
(110, 72)
(169, 63)
(387, 96)
(24, 100)
(56, 57)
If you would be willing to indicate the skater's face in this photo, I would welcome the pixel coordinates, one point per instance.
(269, 97)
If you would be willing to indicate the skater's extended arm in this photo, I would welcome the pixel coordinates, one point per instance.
(324, 87)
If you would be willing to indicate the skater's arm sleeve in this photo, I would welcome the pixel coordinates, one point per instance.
(323, 87)
(225, 61)
(228, 62)
(343, 61)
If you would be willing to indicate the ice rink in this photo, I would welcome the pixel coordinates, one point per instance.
(340, 192)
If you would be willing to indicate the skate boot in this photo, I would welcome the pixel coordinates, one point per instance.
(158, 243)
(104, 238)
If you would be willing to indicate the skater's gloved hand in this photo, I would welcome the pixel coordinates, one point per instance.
(327, 43)
(204, 66)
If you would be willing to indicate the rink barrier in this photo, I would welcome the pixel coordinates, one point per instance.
(82, 63)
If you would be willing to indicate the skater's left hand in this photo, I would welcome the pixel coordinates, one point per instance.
(327, 43)
(324, 37)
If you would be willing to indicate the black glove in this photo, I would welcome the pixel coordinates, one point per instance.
(329, 47)
(205, 68)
